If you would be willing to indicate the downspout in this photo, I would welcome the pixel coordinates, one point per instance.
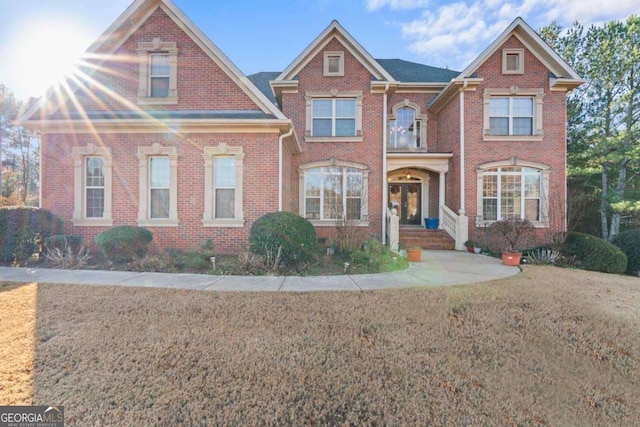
(384, 164)
(462, 189)
(280, 144)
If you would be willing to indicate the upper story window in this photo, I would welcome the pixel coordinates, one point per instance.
(92, 186)
(334, 116)
(513, 114)
(158, 72)
(407, 127)
(159, 78)
(512, 61)
(333, 64)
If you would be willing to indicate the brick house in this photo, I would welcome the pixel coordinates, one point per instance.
(160, 129)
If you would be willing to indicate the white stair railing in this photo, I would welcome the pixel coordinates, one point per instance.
(456, 226)
(393, 230)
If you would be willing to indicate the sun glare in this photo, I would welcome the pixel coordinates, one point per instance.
(44, 53)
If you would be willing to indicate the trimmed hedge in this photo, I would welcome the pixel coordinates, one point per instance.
(593, 253)
(23, 230)
(629, 243)
(60, 240)
(295, 234)
(124, 243)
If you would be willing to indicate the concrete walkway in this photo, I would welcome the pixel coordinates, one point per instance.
(437, 268)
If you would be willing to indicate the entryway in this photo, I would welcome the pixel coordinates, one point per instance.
(406, 197)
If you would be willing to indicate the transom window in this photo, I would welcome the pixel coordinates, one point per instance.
(159, 187)
(511, 193)
(225, 187)
(94, 187)
(159, 76)
(333, 193)
(334, 117)
(511, 115)
(404, 131)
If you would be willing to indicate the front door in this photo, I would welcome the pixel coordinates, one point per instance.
(406, 198)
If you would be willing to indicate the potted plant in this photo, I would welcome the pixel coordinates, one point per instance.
(473, 247)
(414, 253)
(511, 236)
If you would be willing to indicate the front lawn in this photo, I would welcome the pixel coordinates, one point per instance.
(549, 346)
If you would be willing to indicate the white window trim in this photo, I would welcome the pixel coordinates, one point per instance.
(209, 155)
(514, 162)
(364, 209)
(333, 94)
(520, 53)
(325, 68)
(144, 154)
(419, 117)
(79, 155)
(514, 91)
(145, 50)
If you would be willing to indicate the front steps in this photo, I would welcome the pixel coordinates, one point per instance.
(425, 238)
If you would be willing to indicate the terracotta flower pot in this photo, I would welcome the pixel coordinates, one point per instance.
(511, 258)
(470, 249)
(414, 255)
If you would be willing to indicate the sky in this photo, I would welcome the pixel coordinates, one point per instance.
(40, 39)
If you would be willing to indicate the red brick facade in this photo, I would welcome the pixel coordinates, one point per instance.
(203, 84)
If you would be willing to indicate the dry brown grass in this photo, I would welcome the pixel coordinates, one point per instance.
(547, 347)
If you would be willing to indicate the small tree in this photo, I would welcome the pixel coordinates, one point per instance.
(511, 235)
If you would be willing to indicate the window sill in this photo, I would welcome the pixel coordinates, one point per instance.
(92, 222)
(513, 138)
(536, 224)
(334, 138)
(333, 223)
(228, 223)
(165, 222)
(165, 100)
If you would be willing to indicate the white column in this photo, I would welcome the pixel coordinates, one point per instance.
(441, 195)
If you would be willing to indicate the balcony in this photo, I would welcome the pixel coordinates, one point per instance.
(404, 142)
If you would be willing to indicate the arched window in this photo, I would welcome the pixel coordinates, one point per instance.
(406, 126)
(334, 190)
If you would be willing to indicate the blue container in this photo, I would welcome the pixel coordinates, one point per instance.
(431, 223)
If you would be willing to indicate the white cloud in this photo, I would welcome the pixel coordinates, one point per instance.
(454, 34)
(396, 4)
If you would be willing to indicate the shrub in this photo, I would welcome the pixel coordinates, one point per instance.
(124, 243)
(293, 233)
(67, 257)
(593, 253)
(62, 241)
(23, 230)
(629, 243)
(511, 235)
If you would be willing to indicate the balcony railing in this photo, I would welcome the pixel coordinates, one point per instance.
(402, 143)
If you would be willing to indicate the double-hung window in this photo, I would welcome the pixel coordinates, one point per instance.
(225, 187)
(159, 75)
(511, 115)
(94, 187)
(159, 187)
(334, 117)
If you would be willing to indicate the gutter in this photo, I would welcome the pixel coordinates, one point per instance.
(280, 144)
(462, 210)
(384, 164)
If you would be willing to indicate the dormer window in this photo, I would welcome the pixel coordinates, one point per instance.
(512, 61)
(333, 64)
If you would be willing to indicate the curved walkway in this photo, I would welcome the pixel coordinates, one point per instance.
(437, 268)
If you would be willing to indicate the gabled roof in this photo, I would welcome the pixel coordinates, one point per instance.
(534, 44)
(406, 71)
(337, 31)
(131, 19)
